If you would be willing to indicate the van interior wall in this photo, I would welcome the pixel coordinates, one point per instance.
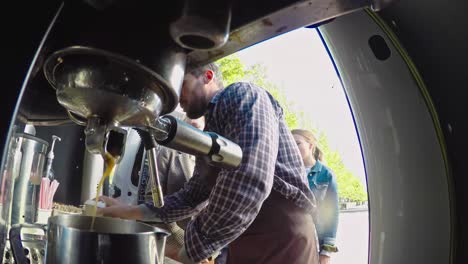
(23, 41)
(434, 34)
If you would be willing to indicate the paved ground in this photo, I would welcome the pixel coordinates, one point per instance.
(352, 238)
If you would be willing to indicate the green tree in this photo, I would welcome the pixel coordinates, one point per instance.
(233, 70)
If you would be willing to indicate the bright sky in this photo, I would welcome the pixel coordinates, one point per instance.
(299, 62)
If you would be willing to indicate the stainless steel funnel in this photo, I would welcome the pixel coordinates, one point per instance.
(105, 91)
(95, 83)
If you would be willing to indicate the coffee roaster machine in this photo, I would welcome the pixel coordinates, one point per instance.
(95, 70)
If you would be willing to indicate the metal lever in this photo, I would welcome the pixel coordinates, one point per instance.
(156, 190)
(150, 146)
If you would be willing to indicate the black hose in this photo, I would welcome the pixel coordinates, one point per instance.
(148, 140)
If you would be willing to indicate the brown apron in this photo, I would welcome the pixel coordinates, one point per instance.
(282, 233)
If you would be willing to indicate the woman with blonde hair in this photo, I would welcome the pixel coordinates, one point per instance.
(322, 182)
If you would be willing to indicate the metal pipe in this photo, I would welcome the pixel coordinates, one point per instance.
(204, 24)
(183, 137)
(217, 150)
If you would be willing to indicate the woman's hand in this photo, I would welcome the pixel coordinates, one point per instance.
(183, 258)
(323, 259)
(115, 208)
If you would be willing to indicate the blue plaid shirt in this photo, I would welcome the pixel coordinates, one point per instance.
(252, 118)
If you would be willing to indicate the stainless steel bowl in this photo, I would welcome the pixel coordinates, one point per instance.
(69, 240)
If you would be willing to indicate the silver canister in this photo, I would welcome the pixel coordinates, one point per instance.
(27, 171)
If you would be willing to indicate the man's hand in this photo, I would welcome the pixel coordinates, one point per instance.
(323, 259)
(109, 201)
(115, 208)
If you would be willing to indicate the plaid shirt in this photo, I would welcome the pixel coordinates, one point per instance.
(252, 118)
